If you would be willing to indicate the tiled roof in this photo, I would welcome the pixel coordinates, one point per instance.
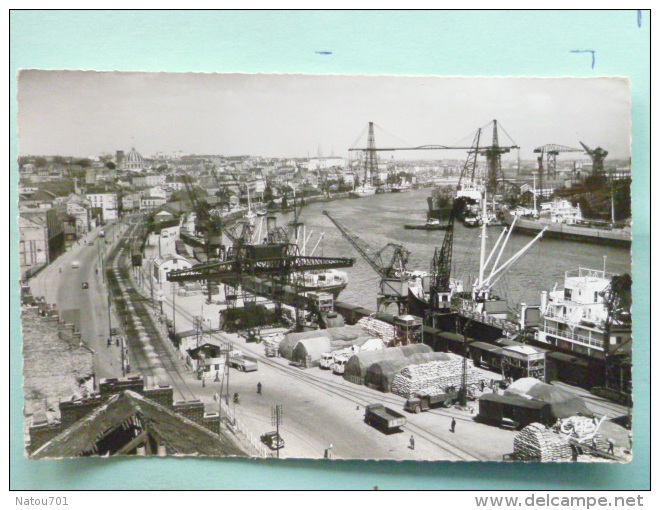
(181, 435)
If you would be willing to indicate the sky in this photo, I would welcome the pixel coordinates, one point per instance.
(86, 113)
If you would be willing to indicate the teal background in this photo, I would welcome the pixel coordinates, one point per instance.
(452, 43)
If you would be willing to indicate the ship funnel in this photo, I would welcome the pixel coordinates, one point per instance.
(544, 300)
(271, 223)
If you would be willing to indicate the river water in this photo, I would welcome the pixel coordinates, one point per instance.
(379, 220)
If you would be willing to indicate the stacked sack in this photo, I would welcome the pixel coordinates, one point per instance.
(434, 377)
(273, 341)
(378, 328)
(538, 443)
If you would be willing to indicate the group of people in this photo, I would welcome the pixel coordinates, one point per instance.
(117, 340)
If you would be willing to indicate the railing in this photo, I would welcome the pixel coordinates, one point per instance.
(485, 318)
(564, 334)
(584, 321)
(239, 426)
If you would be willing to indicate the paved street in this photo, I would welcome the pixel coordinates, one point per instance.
(61, 284)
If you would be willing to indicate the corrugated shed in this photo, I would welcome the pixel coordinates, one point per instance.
(312, 347)
(356, 367)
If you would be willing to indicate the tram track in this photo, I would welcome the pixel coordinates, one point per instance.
(149, 353)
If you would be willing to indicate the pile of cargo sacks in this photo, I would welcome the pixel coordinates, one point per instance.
(434, 377)
(536, 442)
(378, 328)
(569, 438)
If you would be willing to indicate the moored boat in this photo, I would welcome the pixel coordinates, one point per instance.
(431, 224)
(362, 191)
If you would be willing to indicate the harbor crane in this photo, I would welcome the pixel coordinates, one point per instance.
(251, 264)
(550, 151)
(440, 285)
(206, 223)
(597, 156)
(493, 153)
(389, 263)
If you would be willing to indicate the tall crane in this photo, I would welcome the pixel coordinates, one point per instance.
(440, 291)
(223, 190)
(493, 154)
(550, 151)
(389, 263)
(208, 224)
(597, 156)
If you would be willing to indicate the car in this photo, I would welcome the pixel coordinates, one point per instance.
(273, 440)
(85, 285)
(75, 264)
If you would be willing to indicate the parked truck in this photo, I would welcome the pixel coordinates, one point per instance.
(326, 361)
(423, 401)
(514, 412)
(383, 418)
(339, 366)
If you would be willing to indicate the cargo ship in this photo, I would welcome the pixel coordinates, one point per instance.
(330, 280)
(362, 191)
(561, 220)
(440, 202)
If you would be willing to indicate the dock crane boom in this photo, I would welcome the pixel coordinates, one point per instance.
(597, 156)
(550, 151)
(389, 263)
(440, 291)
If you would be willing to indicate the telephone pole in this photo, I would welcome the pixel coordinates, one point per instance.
(276, 418)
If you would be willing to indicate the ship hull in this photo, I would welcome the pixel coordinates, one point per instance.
(614, 237)
(335, 290)
(425, 227)
(436, 211)
(361, 194)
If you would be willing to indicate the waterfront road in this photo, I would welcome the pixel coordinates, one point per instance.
(321, 409)
(61, 283)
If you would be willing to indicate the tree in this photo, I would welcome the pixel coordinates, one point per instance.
(83, 162)
(268, 193)
(60, 160)
(110, 165)
(40, 162)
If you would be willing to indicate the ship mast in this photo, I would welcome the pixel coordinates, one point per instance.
(484, 226)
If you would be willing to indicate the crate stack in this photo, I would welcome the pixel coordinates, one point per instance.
(538, 443)
(378, 328)
(433, 377)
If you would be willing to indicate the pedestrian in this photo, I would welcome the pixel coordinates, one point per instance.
(117, 341)
(630, 440)
(482, 385)
(453, 425)
(259, 388)
(217, 376)
(412, 442)
(109, 341)
(610, 446)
